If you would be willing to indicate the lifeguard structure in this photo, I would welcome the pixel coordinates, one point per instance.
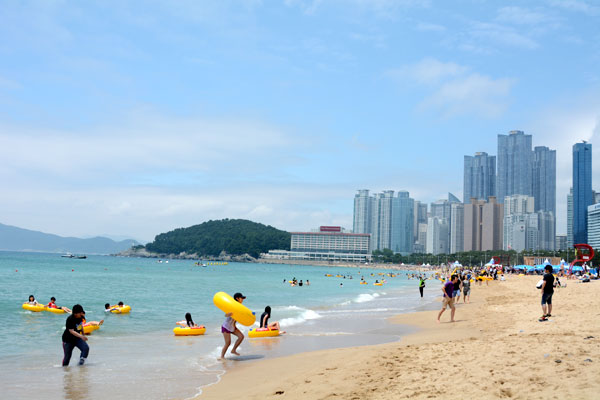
(583, 254)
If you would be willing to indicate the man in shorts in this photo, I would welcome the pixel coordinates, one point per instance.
(547, 292)
(448, 301)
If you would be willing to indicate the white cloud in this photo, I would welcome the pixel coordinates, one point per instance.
(429, 27)
(522, 16)
(427, 71)
(501, 34)
(577, 6)
(475, 93)
(456, 89)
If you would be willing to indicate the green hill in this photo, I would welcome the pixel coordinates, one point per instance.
(234, 236)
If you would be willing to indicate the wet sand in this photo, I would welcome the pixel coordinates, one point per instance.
(495, 349)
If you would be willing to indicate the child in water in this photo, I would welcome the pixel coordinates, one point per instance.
(188, 323)
(264, 320)
(52, 304)
(228, 328)
(32, 301)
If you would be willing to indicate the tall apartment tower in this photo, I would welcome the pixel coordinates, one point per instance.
(457, 227)
(570, 219)
(402, 223)
(420, 217)
(479, 177)
(437, 235)
(515, 160)
(483, 225)
(582, 189)
(362, 212)
(544, 179)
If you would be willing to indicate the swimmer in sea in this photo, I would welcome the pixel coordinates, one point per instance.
(228, 328)
(52, 304)
(188, 322)
(32, 301)
(264, 320)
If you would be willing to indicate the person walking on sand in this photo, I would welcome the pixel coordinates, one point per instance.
(448, 300)
(547, 292)
(466, 289)
(228, 328)
(421, 285)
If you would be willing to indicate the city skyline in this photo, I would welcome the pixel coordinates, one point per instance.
(133, 119)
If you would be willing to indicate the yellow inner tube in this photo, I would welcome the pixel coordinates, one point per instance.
(240, 312)
(187, 331)
(378, 284)
(55, 310)
(263, 332)
(364, 283)
(87, 329)
(37, 308)
(121, 310)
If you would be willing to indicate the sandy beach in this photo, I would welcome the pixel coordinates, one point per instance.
(495, 349)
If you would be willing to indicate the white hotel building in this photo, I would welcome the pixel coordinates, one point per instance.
(329, 243)
(594, 226)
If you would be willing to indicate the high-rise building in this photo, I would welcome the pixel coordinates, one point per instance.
(515, 160)
(582, 189)
(421, 244)
(457, 227)
(479, 177)
(420, 217)
(518, 204)
(402, 223)
(570, 219)
(483, 225)
(544, 179)
(561, 242)
(362, 212)
(437, 235)
(375, 220)
(596, 197)
(546, 230)
(594, 226)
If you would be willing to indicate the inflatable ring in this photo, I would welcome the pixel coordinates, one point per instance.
(121, 310)
(37, 308)
(378, 284)
(364, 283)
(188, 331)
(88, 329)
(240, 312)
(263, 332)
(55, 310)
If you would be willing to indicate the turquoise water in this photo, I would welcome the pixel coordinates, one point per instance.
(140, 347)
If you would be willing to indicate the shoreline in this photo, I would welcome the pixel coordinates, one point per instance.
(496, 349)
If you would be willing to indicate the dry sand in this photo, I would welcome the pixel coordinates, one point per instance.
(496, 349)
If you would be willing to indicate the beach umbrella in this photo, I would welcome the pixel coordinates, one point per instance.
(577, 268)
(529, 267)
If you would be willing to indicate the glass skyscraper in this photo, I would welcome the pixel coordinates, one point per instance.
(402, 223)
(582, 189)
(544, 179)
(515, 161)
(479, 177)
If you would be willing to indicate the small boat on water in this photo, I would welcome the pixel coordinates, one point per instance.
(78, 257)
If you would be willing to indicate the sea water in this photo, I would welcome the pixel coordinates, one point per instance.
(137, 356)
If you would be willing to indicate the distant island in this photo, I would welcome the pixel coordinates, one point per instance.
(13, 238)
(232, 239)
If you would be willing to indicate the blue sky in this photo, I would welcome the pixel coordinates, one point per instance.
(133, 118)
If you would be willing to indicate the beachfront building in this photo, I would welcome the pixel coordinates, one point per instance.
(402, 238)
(421, 243)
(479, 177)
(329, 243)
(419, 217)
(437, 235)
(594, 226)
(362, 212)
(483, 222)
(457, 227)
(570, 219)
(544, 179)
(515, 161)
(525, 229)
(388, 219)
(561, 242)
(582, 190)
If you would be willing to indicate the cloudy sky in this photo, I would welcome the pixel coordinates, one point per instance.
(133, 118)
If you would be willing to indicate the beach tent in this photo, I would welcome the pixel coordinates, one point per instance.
(491, 262)
(540, 267)
(577, 268)
(529, 267)
(556, 268)
(521, 267)
(563, 262)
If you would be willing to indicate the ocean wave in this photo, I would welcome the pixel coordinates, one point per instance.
(364, 297)
(303, 317)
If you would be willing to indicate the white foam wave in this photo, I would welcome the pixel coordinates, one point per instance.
(364, 297)
(305, 316)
